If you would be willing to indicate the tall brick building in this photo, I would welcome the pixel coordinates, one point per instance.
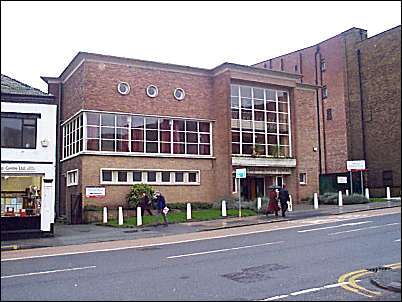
(184, 130)
(359, 104)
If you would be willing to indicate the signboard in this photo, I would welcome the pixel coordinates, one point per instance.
(342, 180)
(95, 192)
(356, 165)
(17, 168)
(241, 173)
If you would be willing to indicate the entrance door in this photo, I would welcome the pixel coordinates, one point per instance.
(76, 208)
(259, 187)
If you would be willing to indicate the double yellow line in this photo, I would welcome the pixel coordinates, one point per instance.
(350, 280)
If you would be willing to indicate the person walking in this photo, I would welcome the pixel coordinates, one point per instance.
(273, 202)
(160, 205)
(145, 204)
(283, 199)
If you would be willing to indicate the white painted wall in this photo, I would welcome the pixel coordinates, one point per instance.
(46, 130)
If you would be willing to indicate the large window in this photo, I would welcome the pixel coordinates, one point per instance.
(18, 130)
(260, 121)
(136, 134)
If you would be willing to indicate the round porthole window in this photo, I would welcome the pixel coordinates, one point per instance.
(152, 91)
(123, 88)
(179, 94)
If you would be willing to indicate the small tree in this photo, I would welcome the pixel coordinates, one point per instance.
(135, 195)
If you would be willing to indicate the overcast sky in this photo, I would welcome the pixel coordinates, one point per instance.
(41, 38)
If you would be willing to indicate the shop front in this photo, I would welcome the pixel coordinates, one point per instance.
(27, 198)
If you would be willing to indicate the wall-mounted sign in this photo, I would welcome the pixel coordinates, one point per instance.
(95, 192)
(356, 165)
(17, 168)
(241, 173)
(342, 180)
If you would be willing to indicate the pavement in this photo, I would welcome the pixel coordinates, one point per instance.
(65, 234)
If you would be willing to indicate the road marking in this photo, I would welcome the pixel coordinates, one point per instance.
(334, 226)
(49, 272)
(397, 240)
(372, 227)
(304, 291)
(224, 250)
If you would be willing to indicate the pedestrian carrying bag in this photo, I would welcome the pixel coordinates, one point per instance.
(165, 210)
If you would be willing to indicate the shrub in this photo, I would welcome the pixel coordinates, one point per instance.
(332, 199)
(182, 206)
(135, 195)
(233, 204)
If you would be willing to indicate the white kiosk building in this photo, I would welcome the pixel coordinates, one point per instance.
(28, 160)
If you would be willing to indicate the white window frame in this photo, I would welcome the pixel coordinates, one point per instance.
(75, 173)
(304, 181)
(123, 83)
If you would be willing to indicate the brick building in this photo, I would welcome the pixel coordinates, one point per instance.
(359, 103)
(184, 130)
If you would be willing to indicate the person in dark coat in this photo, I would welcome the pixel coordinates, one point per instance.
(273, 203)
(283, 199)
(145, 204)
(160, 205)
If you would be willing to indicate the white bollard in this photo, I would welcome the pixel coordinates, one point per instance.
(367, 193)
(290, 204)
(347, 192)
(388, 193)
(258, 203)
(139, 216)
(340, 200)
(104, 215)
(188, 210)
(315, 201)
(120, 215)
(224, 208)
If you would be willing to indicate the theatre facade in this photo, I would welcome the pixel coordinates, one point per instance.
(183, 130)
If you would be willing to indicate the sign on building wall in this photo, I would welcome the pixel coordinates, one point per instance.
(241, 173)
(342, 180)
(356, 165)
(95, 192)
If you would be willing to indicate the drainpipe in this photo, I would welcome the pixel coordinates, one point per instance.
(361, 106)
(323, 123)
(59, 140)
(318, 108)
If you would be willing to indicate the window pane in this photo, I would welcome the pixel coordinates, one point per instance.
(137, 146)
(204, 138)
(235, 114)
(272, 139)
(205, 149)
(178, 136)
(93, 144)
(93, 118)
(179, 177)
(247, 148)
(178, 148)
(269, 94)
(137, 122)
(235, 136)
(107, 120)
(151, 123)
(282, 107)
(107, 133)
(259, 115)
(165, 136)
(284, 151)
(164, 124)
(271, 106)
(283, 139)
(107, 145)
(151, 176)
(282, 96)
(235, 148)
(246, 103)
(283, 128)
(271, 117)
(165, 147)
(260, 138)
(29, 122)
(122, 146)
(259, 104)
(137, 176)
(178, 125)
(122, 133)
(192, 149)
(247, 137)
(234, 90)
(191, 126)
(246, 114)
(192, 177)
(28, 140)
(165, 176)
(122, 120)
(271, 128)
(283, 118)
(106, 175)
(273, 150)
(245, 91)
(152, 148)
(192, 137)
(122, 176)
(204, 127)
(152, 135)
(234, 101)
(11, 132)
(258, 93)
(137, 134)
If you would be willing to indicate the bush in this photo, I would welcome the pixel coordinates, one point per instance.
(233, 204)
(182, 206)
(135, 195)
